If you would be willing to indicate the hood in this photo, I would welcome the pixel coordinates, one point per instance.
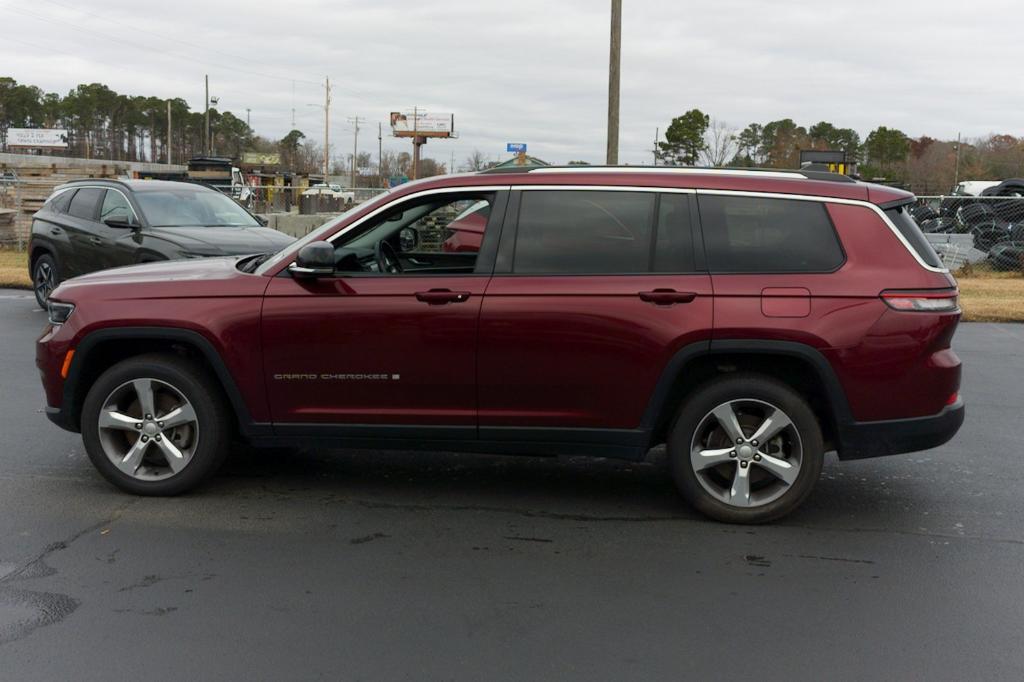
(223, 241)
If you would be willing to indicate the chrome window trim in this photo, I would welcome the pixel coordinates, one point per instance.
(833, 200)
(635, 188)
(465, 189)
(61, 190)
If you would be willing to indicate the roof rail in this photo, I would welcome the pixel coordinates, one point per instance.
(684, 170)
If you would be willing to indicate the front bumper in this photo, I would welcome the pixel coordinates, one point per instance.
(861, 440)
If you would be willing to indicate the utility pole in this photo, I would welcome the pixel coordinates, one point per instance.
(327, 124)
(206, 128)
(380, 156)
(956, 169)
(415, 143)
(247, 110)
(656, 146)
(168, 132)
(614, 59)
(355, 146)
(293, 105)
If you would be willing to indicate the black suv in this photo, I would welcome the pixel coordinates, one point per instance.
(89, 225)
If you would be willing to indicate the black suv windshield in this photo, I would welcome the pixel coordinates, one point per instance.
(192, 208)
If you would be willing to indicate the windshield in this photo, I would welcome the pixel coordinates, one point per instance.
(319, 232)
(189, 207)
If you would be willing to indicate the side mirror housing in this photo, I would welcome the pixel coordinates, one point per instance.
(315, 259)
(119, 222)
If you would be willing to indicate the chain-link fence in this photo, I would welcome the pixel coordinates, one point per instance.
(974, 230)
(265, 199)
(11, 233)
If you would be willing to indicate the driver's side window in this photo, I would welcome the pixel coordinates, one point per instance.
(440, 234)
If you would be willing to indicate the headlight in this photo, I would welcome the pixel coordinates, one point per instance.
(59, 312)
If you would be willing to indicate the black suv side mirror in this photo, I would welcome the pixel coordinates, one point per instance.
(121, 222)
(408, 238)
(315, 259)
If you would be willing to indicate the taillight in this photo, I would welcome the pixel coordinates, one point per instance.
(943, 301)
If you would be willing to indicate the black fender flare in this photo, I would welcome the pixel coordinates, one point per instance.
(89, 343)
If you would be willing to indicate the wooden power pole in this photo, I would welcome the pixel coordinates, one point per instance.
(614, 59)
(327, 124)
(355, 146)
(206, 126)
(168, 132)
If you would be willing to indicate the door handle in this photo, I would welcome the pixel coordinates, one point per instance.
(442, 296)
(96, 240)
(667, 296)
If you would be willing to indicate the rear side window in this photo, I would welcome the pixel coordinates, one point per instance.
(755, 234)
(83, 204)
(584, 232)
(59, 202)
(905, 223)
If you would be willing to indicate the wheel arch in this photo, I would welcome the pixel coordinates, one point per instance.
(798, 365)
(102, 349)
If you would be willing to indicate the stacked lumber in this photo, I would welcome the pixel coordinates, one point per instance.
(35, 184)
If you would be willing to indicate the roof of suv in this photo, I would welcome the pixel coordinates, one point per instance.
(138, 185)
(763, 180)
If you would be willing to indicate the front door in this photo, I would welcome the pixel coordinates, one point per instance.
(390, 340)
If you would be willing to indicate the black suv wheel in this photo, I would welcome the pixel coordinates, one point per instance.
(746, 448)
(45, 278)
(155, 425)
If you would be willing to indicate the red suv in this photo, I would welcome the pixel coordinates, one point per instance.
(751, 320)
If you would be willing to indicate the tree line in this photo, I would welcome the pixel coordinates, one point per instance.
(925, 164)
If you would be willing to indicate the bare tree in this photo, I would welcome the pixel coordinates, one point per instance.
(475, 162)
(719, 143)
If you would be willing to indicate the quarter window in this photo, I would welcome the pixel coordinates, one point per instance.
(756, 234)
(584, 232)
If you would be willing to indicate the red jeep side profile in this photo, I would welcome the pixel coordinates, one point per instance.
(752, 321)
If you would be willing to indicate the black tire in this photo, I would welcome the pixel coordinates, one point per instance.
(45, 278)
(196, 385)
(753, 387)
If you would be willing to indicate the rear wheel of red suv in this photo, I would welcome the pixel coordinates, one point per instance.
(155, 425)
(746, 448)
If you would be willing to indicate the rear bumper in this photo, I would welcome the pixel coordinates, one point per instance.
(861, 440)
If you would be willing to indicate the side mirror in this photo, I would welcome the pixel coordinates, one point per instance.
(261, 220)
(120, 222)
(315, 259)
(408, 239)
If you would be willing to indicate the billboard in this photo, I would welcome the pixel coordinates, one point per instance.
(37, 137)
(261, 159)
(422, 124)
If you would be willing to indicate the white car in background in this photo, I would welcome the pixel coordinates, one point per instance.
(973, 188)
(329, 190)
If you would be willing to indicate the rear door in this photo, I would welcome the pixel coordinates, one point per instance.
(594, 290)
(86, 246)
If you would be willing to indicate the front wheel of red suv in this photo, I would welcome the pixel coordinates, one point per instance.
(746, 448)
(155, 425)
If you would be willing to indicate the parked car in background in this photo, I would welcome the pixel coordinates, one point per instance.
(89, 225)
(753, 321)
(973, 188)
(329, 190)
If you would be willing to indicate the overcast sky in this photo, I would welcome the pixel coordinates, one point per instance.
(535, 71)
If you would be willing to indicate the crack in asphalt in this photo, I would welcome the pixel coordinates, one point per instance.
(28, 610)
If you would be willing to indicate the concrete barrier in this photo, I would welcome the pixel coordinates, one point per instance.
(296, 225)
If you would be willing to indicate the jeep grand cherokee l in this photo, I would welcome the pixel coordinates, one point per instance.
(752, 321)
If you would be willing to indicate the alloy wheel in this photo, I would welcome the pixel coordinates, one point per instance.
(148, 429)
(746, 453)
(44, 280)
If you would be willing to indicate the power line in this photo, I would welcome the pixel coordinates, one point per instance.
(204, 48)
(176, 55)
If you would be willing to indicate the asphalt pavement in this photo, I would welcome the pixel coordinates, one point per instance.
(439, 566)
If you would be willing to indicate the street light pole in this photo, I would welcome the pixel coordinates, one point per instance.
(614, 58)
(168, 132)
(206, 127)
(327, 124)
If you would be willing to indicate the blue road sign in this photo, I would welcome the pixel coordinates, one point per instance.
(515, 147)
